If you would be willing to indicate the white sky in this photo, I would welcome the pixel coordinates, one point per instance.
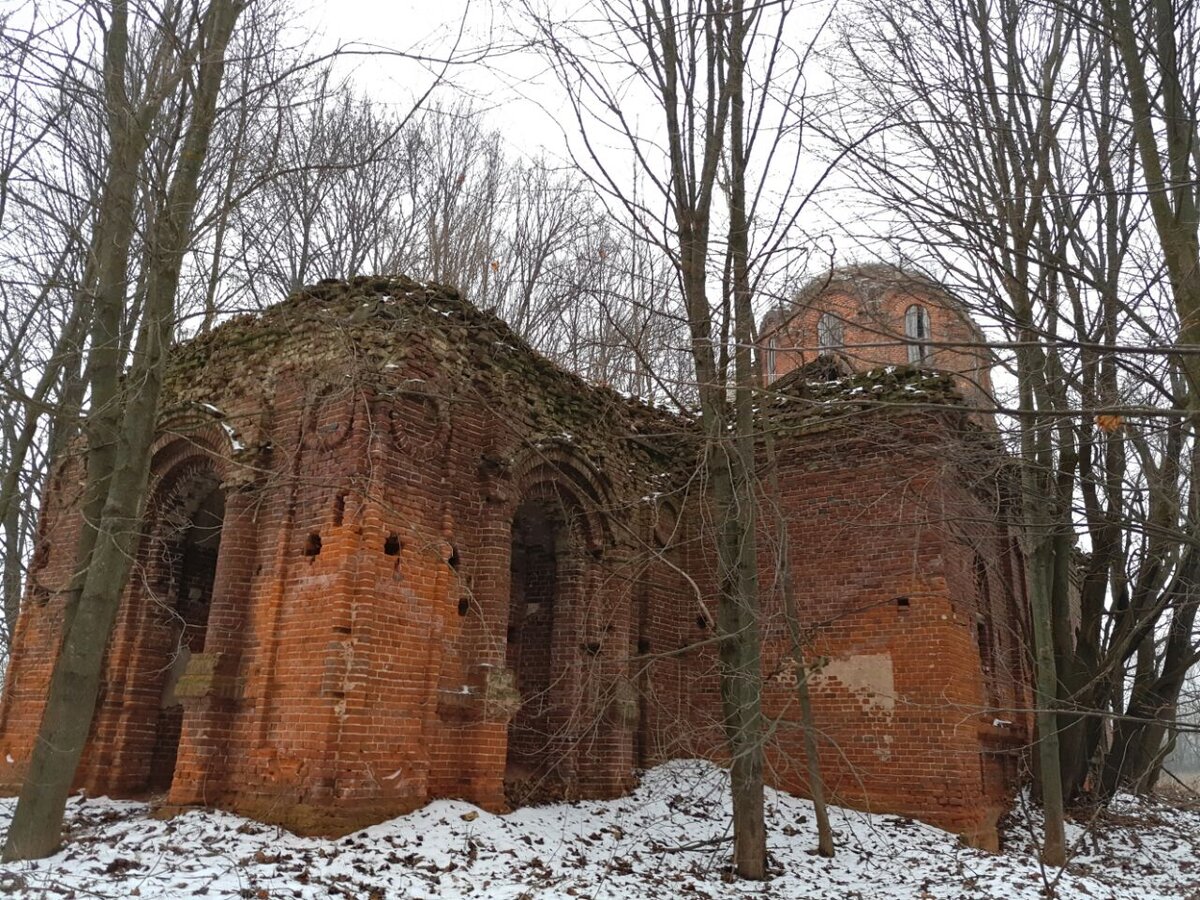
(501, 87)
(522, 100)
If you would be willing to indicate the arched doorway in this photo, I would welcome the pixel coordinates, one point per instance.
(184, 551)
(539, 544)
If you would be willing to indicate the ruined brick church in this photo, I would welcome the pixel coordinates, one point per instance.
(392, 554)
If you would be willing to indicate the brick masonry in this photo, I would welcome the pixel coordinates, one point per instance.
(391, 554)
(865, 310)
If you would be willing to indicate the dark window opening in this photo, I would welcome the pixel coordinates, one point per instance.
(831, 333)
(534, 586)
(182, 630)
(391, 546)
(312, 544)
(983, 633)
(917, 330)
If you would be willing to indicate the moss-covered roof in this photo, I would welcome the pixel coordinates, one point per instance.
(389, 333)
(396, 335)
(808, 396)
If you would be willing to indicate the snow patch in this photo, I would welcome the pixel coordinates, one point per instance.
(668, 839)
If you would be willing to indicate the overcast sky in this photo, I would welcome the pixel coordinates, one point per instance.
(509, 87)
(525, 103)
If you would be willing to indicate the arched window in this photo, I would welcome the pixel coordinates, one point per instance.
(770, 359)
(916, 329)
(830, 333)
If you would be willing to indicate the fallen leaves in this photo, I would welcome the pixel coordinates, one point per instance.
(668, 840)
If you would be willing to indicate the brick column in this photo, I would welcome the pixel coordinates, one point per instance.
(570, 716)
(483, 739)
(606, 770)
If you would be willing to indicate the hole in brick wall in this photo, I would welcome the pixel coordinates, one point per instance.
(41, 557)
(341, 629)
(391, 546)
(463, 605)
(701, 622)
(643, 646)
(40, 595)
(902, 602)
(454, 560)
(339, 509)
(312, 544)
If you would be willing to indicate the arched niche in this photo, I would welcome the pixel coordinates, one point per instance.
(551, 545)
(173, 590)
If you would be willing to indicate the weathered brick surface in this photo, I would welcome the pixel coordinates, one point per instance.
(902, 702)
(870, 302)
(447, 568)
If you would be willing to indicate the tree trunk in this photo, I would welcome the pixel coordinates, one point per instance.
(816, 782)
(1041, 563)
(743, 654)
(70, 705)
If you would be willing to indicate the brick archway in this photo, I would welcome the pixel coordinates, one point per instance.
(549, 540)
(185, 547)
(554, 467)
(165, 623)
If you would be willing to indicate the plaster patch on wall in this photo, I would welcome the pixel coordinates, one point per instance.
(866, 674)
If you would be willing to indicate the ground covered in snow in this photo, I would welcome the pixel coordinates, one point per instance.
(667, 840)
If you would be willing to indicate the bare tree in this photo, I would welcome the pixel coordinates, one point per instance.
(1000, 146)
(724, 85)
(1158, 53)
(185, 56)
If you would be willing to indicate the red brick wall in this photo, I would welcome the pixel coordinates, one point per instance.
(871, 308)
(883, 536)
(883, 541)
(357, 658)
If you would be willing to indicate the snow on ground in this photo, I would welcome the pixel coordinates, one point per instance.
(667, 840)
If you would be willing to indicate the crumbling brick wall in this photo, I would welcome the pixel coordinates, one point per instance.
(868, 305)
(374, 443)
(898, 565)
(448, 568)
